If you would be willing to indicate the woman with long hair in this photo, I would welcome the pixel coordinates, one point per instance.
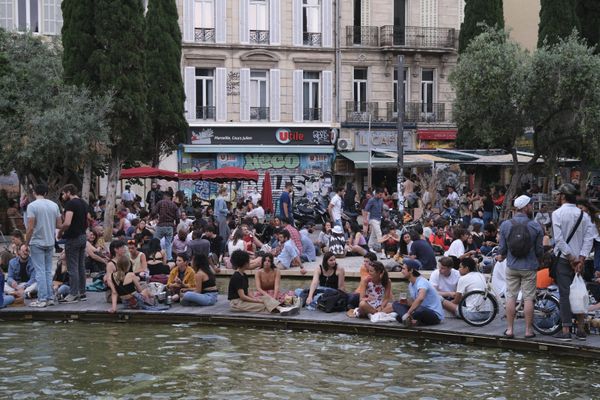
(126, 285)
(236, 242)
(375, 292)
(268, 280)
(205, 293)
(329, 276)
(357, 244)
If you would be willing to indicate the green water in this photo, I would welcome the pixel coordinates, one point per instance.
(129, 361)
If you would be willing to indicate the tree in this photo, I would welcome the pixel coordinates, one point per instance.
(479, 13)
(46, 126)
(166, 96)
(119, 32)
(588, 13)
(557, 20)
(501, 90)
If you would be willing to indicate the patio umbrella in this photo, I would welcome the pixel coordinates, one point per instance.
(267, 193)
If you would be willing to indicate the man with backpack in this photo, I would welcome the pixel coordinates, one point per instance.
(521, 246)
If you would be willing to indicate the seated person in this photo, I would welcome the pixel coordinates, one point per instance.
(125, 285)
(470, 279)
(329, 276)
(445, 278)
(439, 241)
(268, 281)
(216, 246)
(422, 251)
(357, 244)
(156, 264)
(424, 307)
(205, 292)
(16, 240)
(60, 281)
(138, 261)
(490, 238)
(182, 277)
(543, 278)
(337, 242)
(238, 297)
(252, 242)
(354, 298)
(289, 256)
(21, 276)
(180, 242)
(117, 248)
(324, 236)
(375, 292)
(309, 252)
(5, 299)
(390, 241)
(95, 256)
(457, 249)
(198, 245)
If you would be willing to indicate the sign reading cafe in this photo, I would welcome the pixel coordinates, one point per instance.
(262, 136)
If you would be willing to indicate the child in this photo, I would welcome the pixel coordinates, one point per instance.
(238, 297)
(543, 279)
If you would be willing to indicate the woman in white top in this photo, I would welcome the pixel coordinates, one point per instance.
(236, 242)
(457, 248)
(470, 280)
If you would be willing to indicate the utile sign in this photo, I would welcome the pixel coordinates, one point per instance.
(262, 136)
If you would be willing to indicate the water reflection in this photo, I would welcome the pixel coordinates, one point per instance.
(187, 361)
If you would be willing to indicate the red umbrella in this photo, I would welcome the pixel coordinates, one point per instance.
(267, 193)
(228, 174)
(148, 172)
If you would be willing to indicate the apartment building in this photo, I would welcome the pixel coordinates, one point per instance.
(37, 16)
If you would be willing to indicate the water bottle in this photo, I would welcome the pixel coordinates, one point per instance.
(169, 300)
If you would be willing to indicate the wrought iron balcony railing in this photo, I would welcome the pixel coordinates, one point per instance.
(259, 113)
(312, 114)
(418, 37)
(259, 37)
(205, 112)
(418, 112)
(204, 35)
(360, 111)
(311, 39)
(362, 36)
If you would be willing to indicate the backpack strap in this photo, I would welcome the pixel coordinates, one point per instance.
(572, 231)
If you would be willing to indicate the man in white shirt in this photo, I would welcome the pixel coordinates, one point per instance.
(258, 212)
(335, 206)
(185, 223)
(128, 194)
(253, 195)
(452, 197)
(543, 216)
(445, 278)
(470, 280)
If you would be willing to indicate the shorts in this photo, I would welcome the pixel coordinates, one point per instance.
(523, 280)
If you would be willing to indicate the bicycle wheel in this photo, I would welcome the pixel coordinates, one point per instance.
(546, 314)
(478, 308)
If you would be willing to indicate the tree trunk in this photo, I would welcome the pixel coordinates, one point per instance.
(114, 168)
(87, 181)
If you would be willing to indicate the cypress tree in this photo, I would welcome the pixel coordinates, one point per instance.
(79, 42)
(165, 87)
(490, 12)
(557, 21)
(588, 13)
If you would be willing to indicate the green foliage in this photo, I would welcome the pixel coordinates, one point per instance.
(588, 12)
(479, 13)
(165, 87)
(79, 42)
(557, 21)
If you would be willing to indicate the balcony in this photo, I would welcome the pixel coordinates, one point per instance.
(259, 37)
(259, 113)
(311, 39)
(362, 36)
(204, 35)
(312, 114)
(205, 112)
(418, 37)
(360, 111)
(418, 112)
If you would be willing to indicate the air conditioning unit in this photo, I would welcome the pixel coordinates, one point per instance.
(345, 144)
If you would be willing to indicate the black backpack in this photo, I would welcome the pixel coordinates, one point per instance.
(333, 301)
(519, 239)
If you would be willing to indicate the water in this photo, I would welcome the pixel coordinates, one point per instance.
(131, 361)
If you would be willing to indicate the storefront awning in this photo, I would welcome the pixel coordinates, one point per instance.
(279, 149)
(361, 160)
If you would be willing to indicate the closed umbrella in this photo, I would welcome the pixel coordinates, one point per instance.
(267, 194)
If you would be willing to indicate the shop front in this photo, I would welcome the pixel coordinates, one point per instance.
(431, 139)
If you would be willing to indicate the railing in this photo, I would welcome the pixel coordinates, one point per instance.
(418, 112)
(204, 35)
(360, 111)
(311, 39)
(205, 112)
(418, 37)
(259, 113)
(312, 114)
(260, 37)
(362, 36)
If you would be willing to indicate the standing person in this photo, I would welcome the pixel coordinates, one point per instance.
(168, 214)
(521, 246)
(154, 196)
(43, 217)
(73, 231)
(285, 202)
(569, 222)
(128, 194)
(350, 198)
(221, 212)
(372, 219)
(335, 206)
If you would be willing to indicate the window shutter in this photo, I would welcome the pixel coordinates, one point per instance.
(274, 21)
(297, 23)
(190, 93)
(327, 114)
(221, 21)
(298, 102)
(188, 20)
(48, 25)
(429, 13)
(244, 16)
(58, 18)
(275, 100)
(221, 92)
(7, 18)
(328, 23)
(244, 94)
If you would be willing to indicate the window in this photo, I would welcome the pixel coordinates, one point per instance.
(28, 16)
(259, 21)
(311, 22)
(311, 95)
(404, 85)
(204, 21)
(427, 88)
(205, 93)
(52, 17)
(6, 14)
(259, 99)
(360, 89)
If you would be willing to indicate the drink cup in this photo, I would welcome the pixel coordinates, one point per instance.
(403, 298)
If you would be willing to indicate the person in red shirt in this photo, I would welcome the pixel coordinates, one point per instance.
(438, 240)
(294, 234)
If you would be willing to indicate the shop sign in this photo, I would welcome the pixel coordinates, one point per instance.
(385, 140)
(262, 135)
(437, 134)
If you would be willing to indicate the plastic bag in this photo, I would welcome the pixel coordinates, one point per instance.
(578, 296)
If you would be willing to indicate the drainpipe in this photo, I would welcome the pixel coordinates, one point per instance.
(338, 60)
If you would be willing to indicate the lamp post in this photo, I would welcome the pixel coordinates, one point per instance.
(400, 128)
(369, 168)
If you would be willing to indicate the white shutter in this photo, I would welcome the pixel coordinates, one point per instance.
(327, 114)
(221, 21)
(328, 23)
(244, 94)
(221, 92)
(275, 22)
(275, 99)
(298, 103)
(58, 18)
(190, 93)
(188, 20)
(429, 13)
(244, 17)
(297, 22)
(7, 18)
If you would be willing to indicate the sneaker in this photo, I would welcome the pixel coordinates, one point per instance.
(288, 311)
(50, 302)
(38, 304)
(563, 336)
(69, 299)
(407, 322)
(82, 297)
(580, 335)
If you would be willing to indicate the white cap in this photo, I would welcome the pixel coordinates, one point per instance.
(521, 202)
(338, 230)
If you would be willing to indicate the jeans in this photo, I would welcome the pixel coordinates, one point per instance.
(487, 216)
(167, 233)
(199, 299)
(7, 300)
(338, 222)
(63, 290)
(423, 315)
(41, 258)
(303, 294)
(75, 253)
(353, 300)
(375, 234)
(564, 278)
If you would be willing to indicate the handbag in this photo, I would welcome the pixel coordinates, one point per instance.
(556, 258)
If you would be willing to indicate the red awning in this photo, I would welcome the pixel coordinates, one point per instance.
(437, 134)
(228, 174)
(148, 172)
